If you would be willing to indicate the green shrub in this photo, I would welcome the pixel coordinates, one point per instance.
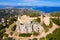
(35, 33)
(25, 35)
(42, 38)
(45, 27)
(5, 35)
(13, 27)
(11, 20)
(51, 24)
(11, 33)
(1, 26)
(37, 20)
(2, 33)
(29, 39)
(34, 39)
(49, 36)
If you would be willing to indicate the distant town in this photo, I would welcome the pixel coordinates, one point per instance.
(29, 24)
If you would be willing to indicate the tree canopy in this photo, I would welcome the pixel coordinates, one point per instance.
(34, 14)
(11, 20)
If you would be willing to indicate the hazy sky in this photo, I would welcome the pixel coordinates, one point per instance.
(31, 2)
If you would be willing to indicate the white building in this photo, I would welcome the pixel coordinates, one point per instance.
(24, 25)
(47, 19)
(37, 27)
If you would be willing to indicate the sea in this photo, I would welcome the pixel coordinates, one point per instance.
(45, 9)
